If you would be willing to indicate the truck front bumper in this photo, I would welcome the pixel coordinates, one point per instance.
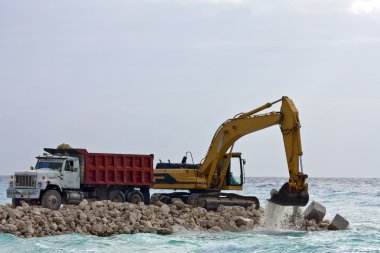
(23, 193)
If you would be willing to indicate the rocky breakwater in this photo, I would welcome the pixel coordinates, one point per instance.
(312, 219)
(106, 218)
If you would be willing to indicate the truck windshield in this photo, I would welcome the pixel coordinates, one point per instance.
(54, 165)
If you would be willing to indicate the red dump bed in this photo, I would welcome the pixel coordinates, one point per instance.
(118, 169)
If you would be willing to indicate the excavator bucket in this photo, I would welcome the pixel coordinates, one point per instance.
(285, 197)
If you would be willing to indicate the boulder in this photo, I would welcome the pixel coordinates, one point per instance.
(315, 211)
(165, 208)
(25, 207)
(11, 228)
(53, 226)
(132, 217)
(179, 204)
(97, 228)
(242, 221)
(83, 204)
(127, 229)
(338, 223)
(216, 229)
(164, 231)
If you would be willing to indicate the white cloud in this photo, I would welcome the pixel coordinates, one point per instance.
(363, 7)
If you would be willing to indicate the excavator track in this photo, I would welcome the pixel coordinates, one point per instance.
(209, 201)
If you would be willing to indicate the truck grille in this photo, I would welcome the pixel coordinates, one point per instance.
(25, 180)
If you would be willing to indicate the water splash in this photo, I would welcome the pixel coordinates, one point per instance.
(274, 214)
(279, 217)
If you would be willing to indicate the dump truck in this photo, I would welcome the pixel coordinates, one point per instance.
(68, 175)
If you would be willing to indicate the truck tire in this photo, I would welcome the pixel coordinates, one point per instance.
(51, 199)
(16, 202)
(116, 196)
(135, 197)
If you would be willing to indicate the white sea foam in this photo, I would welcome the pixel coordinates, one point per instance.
(274, 214)
(279, 217)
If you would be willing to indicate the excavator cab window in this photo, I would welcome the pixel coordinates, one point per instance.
(235, 172)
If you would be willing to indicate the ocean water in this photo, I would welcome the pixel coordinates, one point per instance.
(358, 200)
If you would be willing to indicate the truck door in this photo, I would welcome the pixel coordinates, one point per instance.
(71, 175)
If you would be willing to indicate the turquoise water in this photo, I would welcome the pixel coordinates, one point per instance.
(358, 200)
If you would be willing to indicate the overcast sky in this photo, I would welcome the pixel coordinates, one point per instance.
(160, 76)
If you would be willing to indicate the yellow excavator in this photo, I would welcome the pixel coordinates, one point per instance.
(203, 183)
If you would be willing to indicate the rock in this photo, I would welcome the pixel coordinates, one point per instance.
(216, 229)
(25, 207)
(97, 228)
(16, 213)
(242, 221)
(164, 231)
(127, 230)
(324, 224)
(179, 204)
(30, 230)
(165, 208)
(98, 203)
(53, 226)
(252, 208)
(315, 211)
(273, 192)
(338, 223)
(132, 217)
(158, 203)
(11, 228)
(5, 214)
(83, 204)
(82, 216)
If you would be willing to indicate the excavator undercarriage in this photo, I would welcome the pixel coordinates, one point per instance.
(208, 200)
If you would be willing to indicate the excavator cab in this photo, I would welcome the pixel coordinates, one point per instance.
(235, 171)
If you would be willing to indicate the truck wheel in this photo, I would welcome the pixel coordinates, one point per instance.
(16, 202)
(116, 196)
(135, 197)
(51, 199)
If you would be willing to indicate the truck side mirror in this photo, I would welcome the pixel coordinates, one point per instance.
(31, 168)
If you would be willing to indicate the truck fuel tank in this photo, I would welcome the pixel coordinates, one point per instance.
(74, 197)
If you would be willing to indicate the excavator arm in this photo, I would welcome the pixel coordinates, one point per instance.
(213, 167)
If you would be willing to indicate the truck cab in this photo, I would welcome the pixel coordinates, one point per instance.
(64, 168)
(52, 172)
